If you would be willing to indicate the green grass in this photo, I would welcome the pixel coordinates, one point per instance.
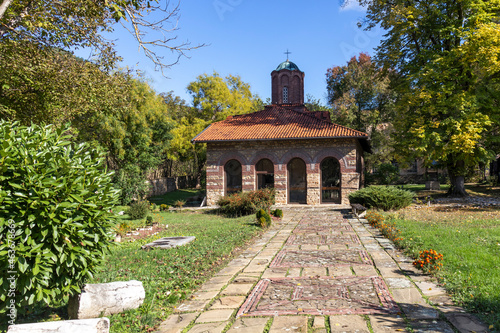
(470, 243)
(168, 276)
(171, 197)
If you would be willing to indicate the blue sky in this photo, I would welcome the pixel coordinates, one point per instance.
(249, 37)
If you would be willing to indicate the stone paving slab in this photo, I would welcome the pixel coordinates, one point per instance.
(248, 325)
(350, 323)
(286, 258)
(228, 302)
(387, 323)
(209, 328)
(319, 296)
(176, 323)
(289, 324)
(214, 316)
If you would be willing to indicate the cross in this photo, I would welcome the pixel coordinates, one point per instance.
(287, 53)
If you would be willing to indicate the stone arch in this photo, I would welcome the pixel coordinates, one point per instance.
(297, 180)
(330, 180)
(300, 153)
(331, 152)
(232, 156)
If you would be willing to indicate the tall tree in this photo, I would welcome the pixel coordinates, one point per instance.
(444, 52)
(216, 97)
(360, 98)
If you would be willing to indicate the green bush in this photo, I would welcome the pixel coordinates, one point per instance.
(138, 210)
(164, 207)
(263, 218)
(382, 197)
(132, 182)
(277, 213)
(55, 220)
(246, 203)
(149, 220)
(386, 174)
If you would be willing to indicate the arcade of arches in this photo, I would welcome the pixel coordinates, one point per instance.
(313, 176)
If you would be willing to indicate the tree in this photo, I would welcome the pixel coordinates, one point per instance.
(216, 98)
(443, 52)
(73, 24)
(360, 97)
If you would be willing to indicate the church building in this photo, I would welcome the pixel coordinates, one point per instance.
(301, 154)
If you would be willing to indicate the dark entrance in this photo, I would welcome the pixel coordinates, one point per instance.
(265, 173)
(233, 176)
(330, 180)
(297, 181)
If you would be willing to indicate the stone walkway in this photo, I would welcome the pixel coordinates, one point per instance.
(318, 271)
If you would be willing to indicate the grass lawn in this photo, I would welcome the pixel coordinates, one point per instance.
(168, 276)
(469, 239)
(171, 197)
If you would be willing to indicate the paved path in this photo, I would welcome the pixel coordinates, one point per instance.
(318, 271)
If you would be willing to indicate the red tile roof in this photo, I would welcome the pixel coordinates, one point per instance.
(276, 123)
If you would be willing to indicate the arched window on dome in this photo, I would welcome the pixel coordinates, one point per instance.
(285, 94)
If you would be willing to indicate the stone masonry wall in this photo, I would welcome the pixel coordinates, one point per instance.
(312, 152)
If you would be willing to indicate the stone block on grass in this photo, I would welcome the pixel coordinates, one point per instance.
(97, 325)
(103, 299)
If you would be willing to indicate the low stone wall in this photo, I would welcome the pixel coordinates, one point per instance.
(162, 186)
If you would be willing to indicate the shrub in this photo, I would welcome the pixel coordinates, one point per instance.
(263, 218)
(164, 207)
(138, 210)
(132, 182)
(149, 220)
(429, 261)
(246, 203)
(56, 197)
(382, 197)
(153, 207)
(179, 203)
(277, 213)
(386, 174)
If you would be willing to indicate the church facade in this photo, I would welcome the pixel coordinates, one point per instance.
(301, 154)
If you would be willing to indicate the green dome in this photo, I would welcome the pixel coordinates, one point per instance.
(288, 65)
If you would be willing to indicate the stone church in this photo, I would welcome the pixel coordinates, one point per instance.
(301, 154)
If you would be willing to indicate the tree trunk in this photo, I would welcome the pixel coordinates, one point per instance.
(456, 172)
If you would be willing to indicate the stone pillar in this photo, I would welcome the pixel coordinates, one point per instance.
(350, 184)
(313, 184)
(248, 178)
(280, 184)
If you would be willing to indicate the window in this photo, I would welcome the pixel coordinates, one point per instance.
(285, 94)
(265, 173)
(233, 176)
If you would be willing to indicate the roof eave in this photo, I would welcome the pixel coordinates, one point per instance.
(277, 139)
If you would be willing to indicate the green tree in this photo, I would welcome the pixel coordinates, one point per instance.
(361, 98)
(71, 23)
(445, 54)
(216, 98)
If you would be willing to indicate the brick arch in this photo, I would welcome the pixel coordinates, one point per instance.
(232, 156)
(270, 156)
(300, 153)
(331, 152)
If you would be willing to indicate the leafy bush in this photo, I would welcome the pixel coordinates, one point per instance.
(138, 210)
(246, 203)
(263, 218)
(132, 182)
(55, 203)
(149, 220)
(382, 197)
(152, 207)
(385, 174)
(179, 203)
(277, 213)
(164, 207)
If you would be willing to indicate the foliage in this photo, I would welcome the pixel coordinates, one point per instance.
(445, 54)
(246, 203)
(56, 197)
(382, 197)
(138, 210)
(360, 98)
(179, 203)
(164, 208)
(170, 198)
(277, 213)
(385, 174)
(429, 261)
(131, 181)
(216, 98)
(149, 220)
(67, 24)
(122, 228)
(263, 218)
